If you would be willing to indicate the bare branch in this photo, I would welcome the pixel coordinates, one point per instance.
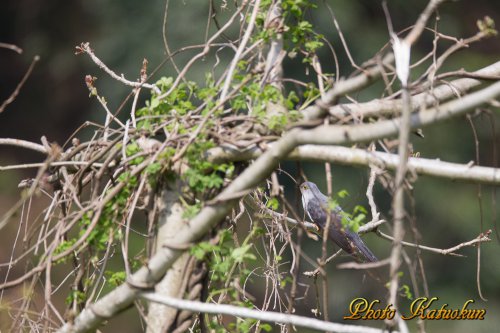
(439, 94)
(253, 204)
(483, 237)
(12, 47)
(345, 87)
(398, 201)
(241, 47)
(206, 49)
(270, 316)
(421, 23)
(23, 144)
(85, 48)
(16, 91)
(38, 165)
(160, 318)
(360, 157)
(374, 172)
(334, 134)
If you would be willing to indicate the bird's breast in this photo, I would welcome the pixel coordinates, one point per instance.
(316, 213)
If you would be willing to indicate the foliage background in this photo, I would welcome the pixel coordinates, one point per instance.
(55, 102)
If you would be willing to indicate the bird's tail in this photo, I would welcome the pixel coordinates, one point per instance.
(368, 256)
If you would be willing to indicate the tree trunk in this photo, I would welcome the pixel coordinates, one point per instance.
(161, 317)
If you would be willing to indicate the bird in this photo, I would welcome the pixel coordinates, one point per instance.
(316, 206)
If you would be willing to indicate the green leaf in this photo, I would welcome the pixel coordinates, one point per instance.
(266, 327)
(191, 211)
(76, 295)
(153, 168)
(405, 289)
(132, 149)
(116, 278)
(240, 254)
(360, 209)
(332, 203)
(201, 249)
(343, 194)
(273, 203)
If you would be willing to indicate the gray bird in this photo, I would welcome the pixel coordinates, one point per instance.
(315, 205)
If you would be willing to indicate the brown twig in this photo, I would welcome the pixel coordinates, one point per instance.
(21, 83)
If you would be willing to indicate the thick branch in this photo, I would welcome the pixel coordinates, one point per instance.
(160, 317)
(398, 201)
(334, 134)
(419, 102)
(345, 87)
(361, 157)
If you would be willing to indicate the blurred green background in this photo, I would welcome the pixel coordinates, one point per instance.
(55, 102)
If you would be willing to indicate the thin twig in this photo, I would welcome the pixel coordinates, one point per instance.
(241, 47)
(450, 251)
(85, 48)
(24, 144)
(12, 47)
(16, 91)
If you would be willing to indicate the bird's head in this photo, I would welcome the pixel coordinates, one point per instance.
(309, 192)
(309, 188)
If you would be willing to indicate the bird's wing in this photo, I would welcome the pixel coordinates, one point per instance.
(359, 246)
(348, 240)
(338, 234)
